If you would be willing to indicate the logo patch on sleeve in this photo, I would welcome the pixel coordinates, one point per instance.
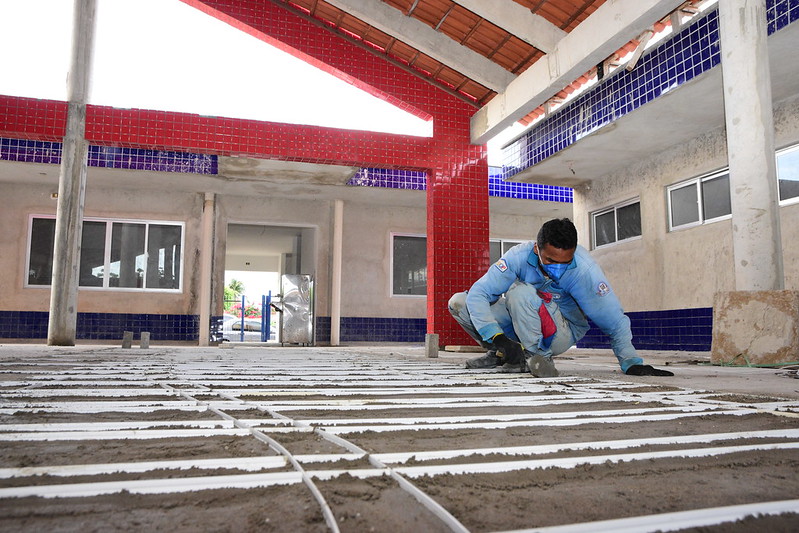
(603, 289)
(501, 265)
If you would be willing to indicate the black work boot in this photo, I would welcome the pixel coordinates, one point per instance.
(489, 360)
(541, 367)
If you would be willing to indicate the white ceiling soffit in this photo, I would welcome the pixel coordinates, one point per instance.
(427, 40)
(519, 21)
(609, 28)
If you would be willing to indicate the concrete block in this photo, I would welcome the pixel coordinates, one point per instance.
(431, 345)
(755, 327)
(145, 340)
(127, 339)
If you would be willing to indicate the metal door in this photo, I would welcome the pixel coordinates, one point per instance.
(296, 319)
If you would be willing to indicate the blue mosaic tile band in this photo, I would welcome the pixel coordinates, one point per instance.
(153, 160)
(780, 13)
(526, 191)
(30, 151)
(393, 179)
(103, 326)
(369, 329)
(678, 59)
(417, 180)
(681, 329)
(111, 157)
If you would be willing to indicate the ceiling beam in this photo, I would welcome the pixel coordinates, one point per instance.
(424, 38)
(533, 29)
(609, 28)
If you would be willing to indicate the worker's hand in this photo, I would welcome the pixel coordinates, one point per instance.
(646, 370)
(512, 350)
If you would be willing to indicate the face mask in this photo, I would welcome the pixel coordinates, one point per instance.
(555, 270)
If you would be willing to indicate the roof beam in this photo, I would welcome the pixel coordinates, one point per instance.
(424, 38)
(517, 20)
(609, 28)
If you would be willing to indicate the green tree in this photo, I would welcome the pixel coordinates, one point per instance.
(233, 292)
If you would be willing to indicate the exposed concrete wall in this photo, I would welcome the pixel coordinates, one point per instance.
(35, 199)
(367, 229)
(684, 268)
(515, 219)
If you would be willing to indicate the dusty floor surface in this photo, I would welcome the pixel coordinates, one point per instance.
(358, 439)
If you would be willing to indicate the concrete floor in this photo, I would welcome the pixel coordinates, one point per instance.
(692, 370)
(49, 385)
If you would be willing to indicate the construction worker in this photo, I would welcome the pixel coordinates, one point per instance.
(534, 303)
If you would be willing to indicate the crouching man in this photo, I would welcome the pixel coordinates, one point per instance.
(534, 302)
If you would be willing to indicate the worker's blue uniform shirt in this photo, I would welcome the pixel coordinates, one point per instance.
(582, 291)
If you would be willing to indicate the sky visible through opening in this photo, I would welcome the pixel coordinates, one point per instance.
(166, 55)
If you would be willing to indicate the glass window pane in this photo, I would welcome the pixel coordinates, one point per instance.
(507, 245)
(604, 228)
(628, 219)
(127, 255)
(494, 251)
(788, 174)
(163, 257)
(92, 254)
(40, 266)
(716, 197)
(410, 265)
(684, 205)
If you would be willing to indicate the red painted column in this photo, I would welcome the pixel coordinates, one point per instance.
(457, 224)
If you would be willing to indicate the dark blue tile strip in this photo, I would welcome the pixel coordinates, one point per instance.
(415, 180)
(678, 59)
(111, 157)
(369, 329)
(103, 326)
(681, 329)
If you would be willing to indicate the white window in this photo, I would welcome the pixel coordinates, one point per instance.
(408, 265)
(699, 200)
(788, 174)
(618, 223)
(114, 254)
(499, 247)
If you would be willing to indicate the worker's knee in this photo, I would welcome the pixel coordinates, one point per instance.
(522, 294)
(457, 304)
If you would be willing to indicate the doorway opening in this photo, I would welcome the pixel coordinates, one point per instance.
(257, 257)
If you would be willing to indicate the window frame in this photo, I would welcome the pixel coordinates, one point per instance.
(614, 209)
(109, 224)
(391, 293)
(777, 154)
(504, 246)
(696, 182)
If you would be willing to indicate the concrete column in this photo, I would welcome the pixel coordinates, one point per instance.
(207, 267)
(335, 292)
(62, 326)
(757, 247)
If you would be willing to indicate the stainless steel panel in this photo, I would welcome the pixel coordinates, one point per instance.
(297, 304)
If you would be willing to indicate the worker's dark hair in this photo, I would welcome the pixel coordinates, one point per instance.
(559, 233)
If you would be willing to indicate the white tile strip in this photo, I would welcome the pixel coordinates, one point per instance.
(241, 463)
(572, 462)
(674, 521)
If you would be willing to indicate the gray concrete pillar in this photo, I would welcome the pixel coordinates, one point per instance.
(335, 292)
(207, 267)
(757, 248)
(62, 326)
